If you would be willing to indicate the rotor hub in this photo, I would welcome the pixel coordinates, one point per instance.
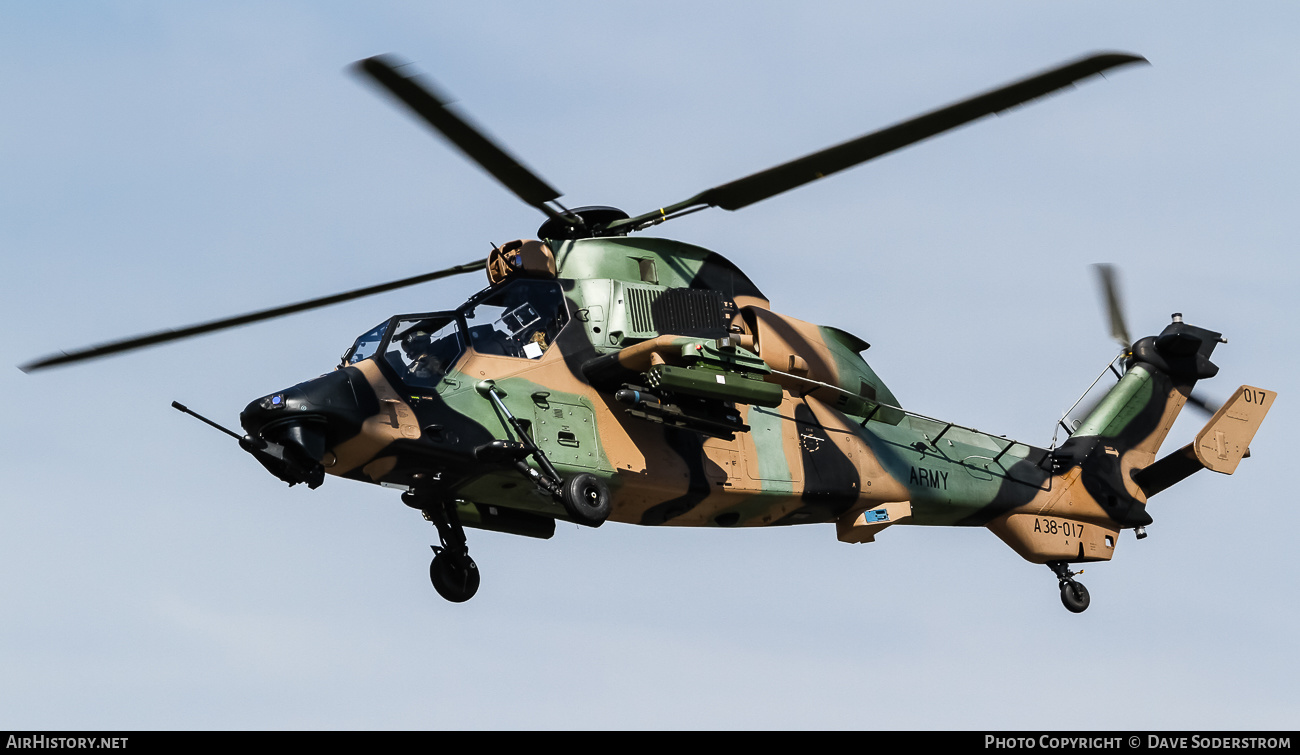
(594, 219)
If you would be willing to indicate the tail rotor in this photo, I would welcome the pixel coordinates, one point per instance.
(1112, 302)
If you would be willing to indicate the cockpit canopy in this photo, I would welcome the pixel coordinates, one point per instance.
(520, 320)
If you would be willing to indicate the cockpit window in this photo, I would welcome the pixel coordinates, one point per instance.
(423, 348)
(366, 346)
(520, 320)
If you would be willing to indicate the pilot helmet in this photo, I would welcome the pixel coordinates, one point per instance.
(416, 342)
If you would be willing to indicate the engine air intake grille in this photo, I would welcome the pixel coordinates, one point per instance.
(690, 312)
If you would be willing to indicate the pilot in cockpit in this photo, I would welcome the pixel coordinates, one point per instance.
(520, 320)
(533, 319)
(424, 366)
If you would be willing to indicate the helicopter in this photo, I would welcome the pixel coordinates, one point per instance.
(605, 376)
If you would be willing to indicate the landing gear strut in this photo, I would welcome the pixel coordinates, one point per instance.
(453, 573)
(1074, 596)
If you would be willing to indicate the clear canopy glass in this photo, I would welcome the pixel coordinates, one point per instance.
(423, 348)
(367, 344)
(520, 320)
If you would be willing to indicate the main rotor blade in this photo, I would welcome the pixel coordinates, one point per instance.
(1109, 280)
(164, 336)
(421, 98)
(773, 181)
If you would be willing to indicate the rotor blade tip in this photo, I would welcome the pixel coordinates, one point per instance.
(380, 68)
(41, 364)
(1113, 58)
(382, 60)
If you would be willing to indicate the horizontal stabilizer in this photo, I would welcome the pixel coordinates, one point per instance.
(1219, 446)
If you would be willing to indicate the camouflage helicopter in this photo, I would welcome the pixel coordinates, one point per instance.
(605, 376)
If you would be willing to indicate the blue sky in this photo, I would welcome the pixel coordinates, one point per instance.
(170, 163)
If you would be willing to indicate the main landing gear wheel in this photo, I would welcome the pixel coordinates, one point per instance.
(586, 499)
(1074, 596)
(453, 573)
(454, 576)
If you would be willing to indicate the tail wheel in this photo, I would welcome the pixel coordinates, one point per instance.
(586, 499)
(1074, 596)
